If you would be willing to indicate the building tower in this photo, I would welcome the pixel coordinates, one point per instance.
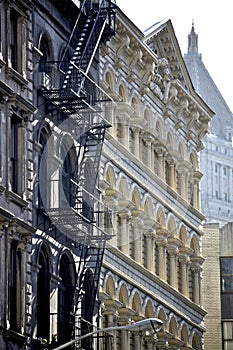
(216, 157)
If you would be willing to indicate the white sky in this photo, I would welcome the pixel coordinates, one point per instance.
(213, 23)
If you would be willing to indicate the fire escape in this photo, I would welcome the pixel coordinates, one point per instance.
(79, 101)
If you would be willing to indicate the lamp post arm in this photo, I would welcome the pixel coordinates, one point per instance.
(63, 346)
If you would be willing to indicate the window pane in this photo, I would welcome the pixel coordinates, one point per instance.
(227, 274)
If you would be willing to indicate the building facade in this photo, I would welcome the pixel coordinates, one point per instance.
(100, 220)
(216, 157)
(16, 172)
(150, 175)
(218, 250)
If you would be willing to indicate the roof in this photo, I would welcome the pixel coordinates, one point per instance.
(206, 88)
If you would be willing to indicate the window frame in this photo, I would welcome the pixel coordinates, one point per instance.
(15, 154)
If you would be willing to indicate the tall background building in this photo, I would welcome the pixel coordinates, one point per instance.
(216, 157)
(216, 203)
(101, 130)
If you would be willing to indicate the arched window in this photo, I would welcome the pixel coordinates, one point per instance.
(43, 296)
(42, 164)
(67, 174)
(44, 48)
(65, 300)
(15, 303)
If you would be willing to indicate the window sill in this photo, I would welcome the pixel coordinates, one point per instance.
(2, 189)
(17, 199)
(15, 337)
(12, 73)
(2, 63)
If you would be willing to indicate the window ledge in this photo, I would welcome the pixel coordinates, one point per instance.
(12, 73)
(15, 337)
(17, 199)
(2, 189)
(2, 63)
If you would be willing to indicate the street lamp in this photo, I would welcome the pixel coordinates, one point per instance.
(149, 324)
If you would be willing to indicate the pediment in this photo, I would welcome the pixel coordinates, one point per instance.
(161, 40)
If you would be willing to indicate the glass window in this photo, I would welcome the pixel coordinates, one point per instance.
(43, 295)
(228, 335)
(15, 287)
(15, 154)
(14, 17)
(227, 275)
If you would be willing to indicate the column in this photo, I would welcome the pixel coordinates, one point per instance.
(124, 125)
(124, 318)
(110, 314)
(150, 253)
(221, 181)
(137, 239)
(196, 198)
(162, 343)
(150, 341)
(184, 260)
(124, 231)
(136, 131)
(161, 243)
(183, 184)
(196, 267)
(173, 251)
(171, 178)
(137, 340)
(110, 200)
(160, 155)
(148, 140)
(229, 169)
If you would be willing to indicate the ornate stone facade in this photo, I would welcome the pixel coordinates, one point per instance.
(150, 178)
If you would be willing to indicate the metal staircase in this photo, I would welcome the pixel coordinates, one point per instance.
(79, 99)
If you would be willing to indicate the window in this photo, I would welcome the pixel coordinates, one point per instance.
(14, 18)
(44, 48)
(87, 308)
(224, 171)
(216, 194)
(43, 172)
(66, 195)
(43, 293)
(227, 335)
(65, 300)
(15, 287)
(225, 197)
(227, 275)
(216, 168)
(15, 154)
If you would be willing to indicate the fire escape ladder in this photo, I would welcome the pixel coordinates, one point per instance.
(93, 31)
(92, 142)
(94, 139)
(91, 260)
(95, 263)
